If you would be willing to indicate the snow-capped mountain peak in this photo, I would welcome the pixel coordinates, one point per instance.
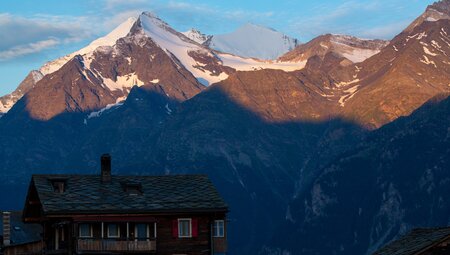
(108, 40)
(254, 41)
(206, 65)
(197, 36)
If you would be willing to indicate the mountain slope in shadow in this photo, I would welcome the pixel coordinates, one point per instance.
(394, 180)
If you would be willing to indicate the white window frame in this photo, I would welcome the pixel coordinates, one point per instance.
(118, 231)
(190, 227)
(147, 231)
(90, 230)
(216, 228)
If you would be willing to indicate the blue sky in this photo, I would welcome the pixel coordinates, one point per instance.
(34, 32)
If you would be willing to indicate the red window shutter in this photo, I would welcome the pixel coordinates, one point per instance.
(175, 228)
(194, 227)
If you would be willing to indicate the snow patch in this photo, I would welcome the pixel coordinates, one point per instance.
(359, 55)
(445, 40)
(345, 83)
(349, 93)
(101, 111)
(37, 76)
(417, 36)
(250, 64)
(435, 44)
(196, 36)
(427, 61)
(122, 82)
(168, 110)
(323, 45)
(428, 52)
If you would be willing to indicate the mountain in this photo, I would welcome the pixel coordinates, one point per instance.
(412, 69)
(197, 36)
(253, 41)
(105, 76)
(108, 68)
(402, 75)
(394, 180)
(353, 49)
(7, 101)
(437, 11)
(107, 41)
(299, 145)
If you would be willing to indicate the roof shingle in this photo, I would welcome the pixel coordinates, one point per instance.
(21, 233)
(86, 193)
(415, 241)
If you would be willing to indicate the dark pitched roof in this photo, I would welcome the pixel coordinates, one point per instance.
(86, 193)
(20, 232)
(415, 241)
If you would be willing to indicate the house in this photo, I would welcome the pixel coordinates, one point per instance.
(108, 214)
(435, 241)
(17, 237)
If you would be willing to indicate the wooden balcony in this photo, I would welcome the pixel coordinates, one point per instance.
(113, 245)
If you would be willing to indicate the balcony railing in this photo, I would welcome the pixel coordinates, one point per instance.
(114, 245)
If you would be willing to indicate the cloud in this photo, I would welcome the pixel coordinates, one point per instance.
(27, 49)
(113, 4)
(32, 35)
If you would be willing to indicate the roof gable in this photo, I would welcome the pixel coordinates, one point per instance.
(87, 194)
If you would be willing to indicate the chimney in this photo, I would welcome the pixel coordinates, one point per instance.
(6, 228)
(106, 168)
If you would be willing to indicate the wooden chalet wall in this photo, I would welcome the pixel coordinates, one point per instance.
(220, 243)
(167, 244)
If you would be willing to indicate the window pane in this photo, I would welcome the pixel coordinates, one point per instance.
(219, 228)
(141, 230)
(113, 230)
(85, 230)
(184, 228)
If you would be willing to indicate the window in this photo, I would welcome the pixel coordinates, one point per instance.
(142, 231)
(133, 189)
(219, 228)
(58, 185)
(184, 228)
(85, 230)
(113, 230)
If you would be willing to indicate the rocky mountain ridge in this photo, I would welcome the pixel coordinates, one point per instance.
(303, 146)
